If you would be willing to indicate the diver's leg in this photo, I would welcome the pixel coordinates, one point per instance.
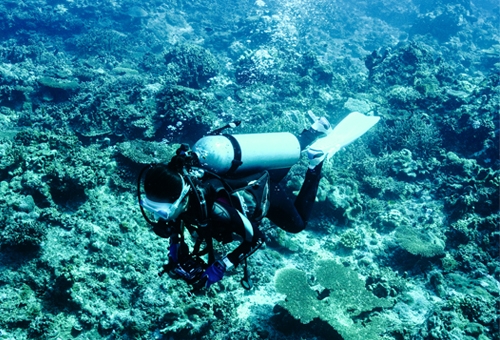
(320, 128)
(307, 137)
(277, 175)
(307, 195)
(282, 211)
(293, 216)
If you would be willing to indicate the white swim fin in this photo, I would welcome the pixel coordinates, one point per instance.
(347, 131)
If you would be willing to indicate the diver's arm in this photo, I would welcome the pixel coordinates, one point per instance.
(233, 221)
(245, 249)
(230, 220)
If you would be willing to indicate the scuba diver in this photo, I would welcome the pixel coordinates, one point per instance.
(222, 189)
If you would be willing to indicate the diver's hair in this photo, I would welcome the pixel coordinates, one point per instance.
(162, 184)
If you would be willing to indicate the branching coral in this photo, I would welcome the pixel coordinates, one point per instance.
(415, 132)
(351, 238)
(101, 41)
(21, 230)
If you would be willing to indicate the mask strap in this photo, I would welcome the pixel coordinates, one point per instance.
(139, 179)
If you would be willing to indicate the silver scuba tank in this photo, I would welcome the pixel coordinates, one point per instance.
(242, 153)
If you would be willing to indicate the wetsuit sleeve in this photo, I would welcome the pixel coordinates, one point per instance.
(228, 220)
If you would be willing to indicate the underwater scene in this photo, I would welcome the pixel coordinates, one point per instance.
(402, 236)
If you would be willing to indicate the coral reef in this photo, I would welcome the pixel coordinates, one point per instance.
(403, 242)
(191, 65)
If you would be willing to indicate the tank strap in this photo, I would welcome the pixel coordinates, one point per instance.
(236, 162)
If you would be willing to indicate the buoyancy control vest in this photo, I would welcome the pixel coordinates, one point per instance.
(249, 194)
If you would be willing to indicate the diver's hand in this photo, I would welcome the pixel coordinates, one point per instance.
(173, 253)
(162, 229)
(214, 273)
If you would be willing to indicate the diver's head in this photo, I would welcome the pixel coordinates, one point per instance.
(166, 191)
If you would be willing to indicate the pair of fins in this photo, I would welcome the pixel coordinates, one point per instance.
(344, 133)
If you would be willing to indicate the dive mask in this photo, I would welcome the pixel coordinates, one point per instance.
(166, 211)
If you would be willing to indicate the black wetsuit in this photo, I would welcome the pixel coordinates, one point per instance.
(292, 215)
(225, 220)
